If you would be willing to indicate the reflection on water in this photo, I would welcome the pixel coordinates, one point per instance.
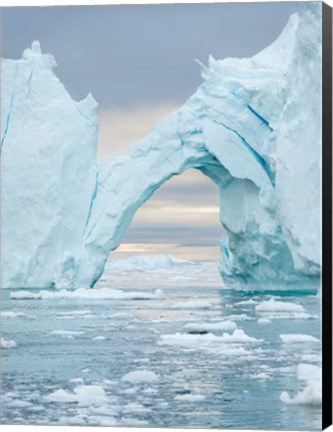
(72, 354)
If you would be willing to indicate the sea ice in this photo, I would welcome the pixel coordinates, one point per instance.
(310, 395)
(77, 380)
(12, 314)
(130, 391)
(278, 306)
(140, 376)
(201, 340)
(312, 357)
(85, 395)
(8, 343)
(75, 312)
(260, 376)
(288, 315)
(240, 317)
(86, 293)
(190, 397)
(61, 396)
(99, 338)
(298, 338)
(308, 372)
(264, 321)
(150, 390)
(211, 326)
(246, 302)
(17, 403)
(90, 394)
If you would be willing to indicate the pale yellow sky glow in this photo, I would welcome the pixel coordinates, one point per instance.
(202, 253)
(157, 212)
(121, 128)
(181, 219)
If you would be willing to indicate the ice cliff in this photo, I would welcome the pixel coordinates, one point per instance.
(253, 127)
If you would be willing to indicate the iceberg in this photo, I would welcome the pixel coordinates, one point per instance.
(48, 170)
(253, 127)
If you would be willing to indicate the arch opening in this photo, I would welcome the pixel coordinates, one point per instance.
(181, 219)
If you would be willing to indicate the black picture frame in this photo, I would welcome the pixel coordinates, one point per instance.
(327, 216)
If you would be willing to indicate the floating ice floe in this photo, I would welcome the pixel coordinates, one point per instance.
(298, 338)
(312, 357)
(85, 395)
(6, 344)
(13, 314)
(239, 336)
(275, 310)
(278, 306)
(90, 294)
(75, 312)
(18, 403)
(211, 326)
(77, 380)
(89, 394)
(246, 302)
(140, 376)
(310, 395)
(264, 321)
(60, 396)
(308, 372)
(150, 390)
(260, 376)
(203, 340)
(190, 397)
(240, 317)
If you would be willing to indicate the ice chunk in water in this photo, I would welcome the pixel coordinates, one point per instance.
(140, 376)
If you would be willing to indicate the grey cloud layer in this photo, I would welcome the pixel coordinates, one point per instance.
(128, 55)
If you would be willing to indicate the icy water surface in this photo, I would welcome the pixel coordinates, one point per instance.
(167, 347)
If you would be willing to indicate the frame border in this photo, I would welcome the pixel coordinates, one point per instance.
(327, 215)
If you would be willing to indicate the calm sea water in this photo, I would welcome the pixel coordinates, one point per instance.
(67, 357)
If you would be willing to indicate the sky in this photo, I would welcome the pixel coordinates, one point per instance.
(138, 61)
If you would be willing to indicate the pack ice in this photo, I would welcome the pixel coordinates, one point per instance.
(253, 127)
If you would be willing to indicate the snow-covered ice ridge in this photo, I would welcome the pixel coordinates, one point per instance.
(253, 127)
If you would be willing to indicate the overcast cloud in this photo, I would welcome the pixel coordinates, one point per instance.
(133, 55)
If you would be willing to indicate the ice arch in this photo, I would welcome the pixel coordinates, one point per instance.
(126, 182)
(247, 128)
